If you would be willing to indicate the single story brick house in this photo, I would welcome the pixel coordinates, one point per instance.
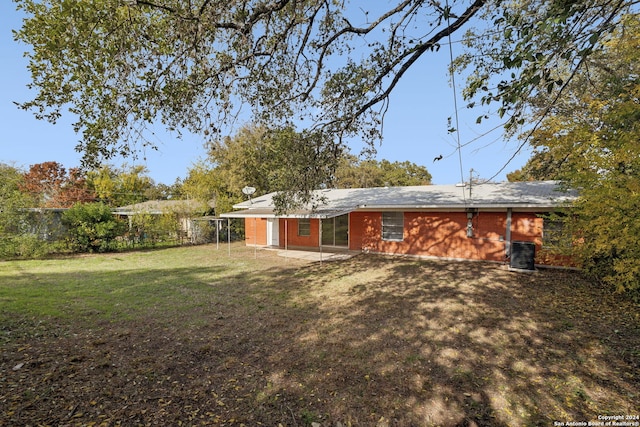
(475, 222)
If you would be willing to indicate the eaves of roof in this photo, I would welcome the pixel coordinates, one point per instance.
(270, 213)
(460, 207)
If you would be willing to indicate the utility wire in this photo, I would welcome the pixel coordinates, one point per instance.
(455, 102)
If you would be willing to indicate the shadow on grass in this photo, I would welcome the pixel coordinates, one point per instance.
(368, 341)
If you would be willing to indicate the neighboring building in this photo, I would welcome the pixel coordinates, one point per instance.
(478, 222)
(183, 212)
(159, 207)
(44, 223)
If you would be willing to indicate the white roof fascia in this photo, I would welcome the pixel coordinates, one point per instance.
(457, 207)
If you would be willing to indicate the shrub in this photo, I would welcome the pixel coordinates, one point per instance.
(92, 227)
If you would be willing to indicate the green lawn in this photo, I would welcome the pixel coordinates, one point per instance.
(193, 336)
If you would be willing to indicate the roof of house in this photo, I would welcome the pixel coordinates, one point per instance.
(158, 207)
(531, 195)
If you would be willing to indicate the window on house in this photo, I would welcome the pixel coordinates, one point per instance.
(335, 231)
(393, 226)
(554, 233)
(304, 227)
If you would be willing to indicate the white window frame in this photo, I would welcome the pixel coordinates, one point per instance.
(304, 227)
(392, 226)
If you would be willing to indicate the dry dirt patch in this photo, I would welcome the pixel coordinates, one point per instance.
(368, 341)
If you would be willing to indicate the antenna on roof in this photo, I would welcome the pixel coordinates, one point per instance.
(471, 171)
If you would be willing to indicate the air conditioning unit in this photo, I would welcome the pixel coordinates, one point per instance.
(523, 255)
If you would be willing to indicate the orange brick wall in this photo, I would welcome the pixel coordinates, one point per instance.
(438, 234)
(444, 234)
(291, 233)
(526, 227)
(529, 229)
(255, 231)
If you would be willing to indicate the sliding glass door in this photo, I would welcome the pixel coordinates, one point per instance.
(335, 231)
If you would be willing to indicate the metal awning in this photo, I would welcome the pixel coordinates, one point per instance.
(250, 213)
(269, 213)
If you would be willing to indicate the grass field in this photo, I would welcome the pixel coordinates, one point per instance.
(193, 336)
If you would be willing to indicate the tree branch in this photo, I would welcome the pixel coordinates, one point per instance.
(417, 53)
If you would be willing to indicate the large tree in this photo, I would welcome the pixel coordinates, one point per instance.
(121, 186)
(13, 201)
(121, 65)
(51, 185)
(270, 160)
(590, 138)
(353, 172)
(205, 183)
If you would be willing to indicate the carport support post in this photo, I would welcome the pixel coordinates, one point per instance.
(229, 234)
(286, 238)
(507, 235)
(320, 237)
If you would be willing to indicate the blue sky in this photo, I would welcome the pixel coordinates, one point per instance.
(415, 126)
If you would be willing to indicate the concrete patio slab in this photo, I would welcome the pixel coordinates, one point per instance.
(315, 256)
